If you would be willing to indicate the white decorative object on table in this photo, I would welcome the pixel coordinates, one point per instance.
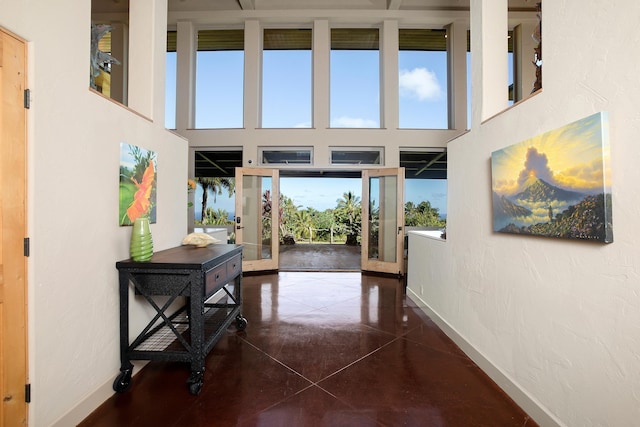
(199, 240)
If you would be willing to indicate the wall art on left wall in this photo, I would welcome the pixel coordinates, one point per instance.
(557, 184)
(138, 182)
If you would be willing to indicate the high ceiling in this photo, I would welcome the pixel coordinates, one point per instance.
(110, 6)
(189, 5)
(418, 164)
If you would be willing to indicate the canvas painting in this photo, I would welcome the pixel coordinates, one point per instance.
(138, 178)
(557, 184)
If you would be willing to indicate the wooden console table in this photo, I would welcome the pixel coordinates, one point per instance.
(209, 279)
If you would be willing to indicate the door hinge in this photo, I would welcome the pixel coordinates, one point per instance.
(27, 393)
(27, 246)
(27, 98)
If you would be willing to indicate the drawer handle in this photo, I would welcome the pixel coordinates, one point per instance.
(217, 276)
(233, 266)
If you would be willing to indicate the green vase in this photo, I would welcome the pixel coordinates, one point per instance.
(141, 248)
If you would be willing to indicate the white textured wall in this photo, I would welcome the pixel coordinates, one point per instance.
(559, 319)
(74, 148)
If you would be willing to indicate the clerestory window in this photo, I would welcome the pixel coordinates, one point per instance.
(355, 78)
(422, 72)
(219, 79)
(286, 78)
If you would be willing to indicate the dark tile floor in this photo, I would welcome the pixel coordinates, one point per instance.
(321, 349)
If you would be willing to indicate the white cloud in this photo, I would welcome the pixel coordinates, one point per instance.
(351, 122)
(420, 83)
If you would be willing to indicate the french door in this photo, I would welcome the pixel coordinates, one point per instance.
(257, 220)
(383, 220)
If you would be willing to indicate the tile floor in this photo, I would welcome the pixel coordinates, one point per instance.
(321, 349)
(319, 257)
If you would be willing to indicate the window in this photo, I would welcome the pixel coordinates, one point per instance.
(537, 51)
(109, 61)
(512, 90)
(515, 61)
(219, 79)
(425, 188)
(357, 156)
(286, 156)
(510, 65)
(286, 78)
(422, 62)
(355, 78)
(526, 45)
(469, 82)
(170, 82)
(214, 195)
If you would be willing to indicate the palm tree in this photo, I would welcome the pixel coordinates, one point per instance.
(216, 217)
(266, 216)
(423, 215)
(304, 224)
(215, 184)
(349, 213)
(287, 215)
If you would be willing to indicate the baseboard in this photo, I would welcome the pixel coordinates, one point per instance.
(528, 404)
(90, 403)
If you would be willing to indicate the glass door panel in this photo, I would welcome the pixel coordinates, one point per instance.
(257, 218)
(383, 220)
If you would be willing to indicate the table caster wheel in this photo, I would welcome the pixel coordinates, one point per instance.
(122, 381)
(195, 388)
(195, 382)
(241, 323)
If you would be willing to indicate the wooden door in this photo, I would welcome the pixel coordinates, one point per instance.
(13, 280)
(257, 219)
(383, 220)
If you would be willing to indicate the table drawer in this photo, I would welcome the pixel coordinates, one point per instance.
(234, 266)
(215, 279)
(222, 274)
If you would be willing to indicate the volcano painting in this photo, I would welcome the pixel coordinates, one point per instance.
(556, 184)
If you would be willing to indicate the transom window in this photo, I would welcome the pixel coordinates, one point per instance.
(357, 156)
(284, 156)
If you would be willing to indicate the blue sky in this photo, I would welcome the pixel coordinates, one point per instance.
(354, 103)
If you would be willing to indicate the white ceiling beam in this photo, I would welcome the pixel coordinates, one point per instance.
(393, 4)
(247, 4)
